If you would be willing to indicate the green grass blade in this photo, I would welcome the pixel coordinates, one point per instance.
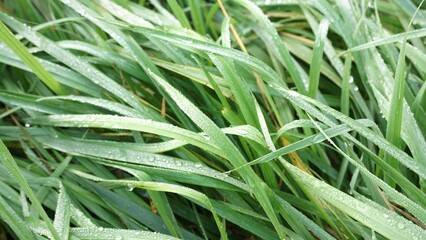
(135, 124)
(314, 72)
(197, 15)
(179, 13)
(20, 50)
(62, 214)
(393, 130)
(391, 39)
(101, 233)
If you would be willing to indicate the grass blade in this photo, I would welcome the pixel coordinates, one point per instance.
(314, 72)
(62, 214)
(20, 50)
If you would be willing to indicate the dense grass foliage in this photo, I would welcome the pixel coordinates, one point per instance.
(190, 119)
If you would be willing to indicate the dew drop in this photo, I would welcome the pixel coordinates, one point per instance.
(198, 165)
(207, 138)
(27, 125)
(101, 229)
(130, 187)
(400, 225)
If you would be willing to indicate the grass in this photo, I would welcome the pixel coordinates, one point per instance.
(237, 119)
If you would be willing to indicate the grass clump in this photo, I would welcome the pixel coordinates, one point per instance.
(219, 119)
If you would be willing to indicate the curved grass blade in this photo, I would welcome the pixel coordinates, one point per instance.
(102, 103)
(135, 124)
(30, 102)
